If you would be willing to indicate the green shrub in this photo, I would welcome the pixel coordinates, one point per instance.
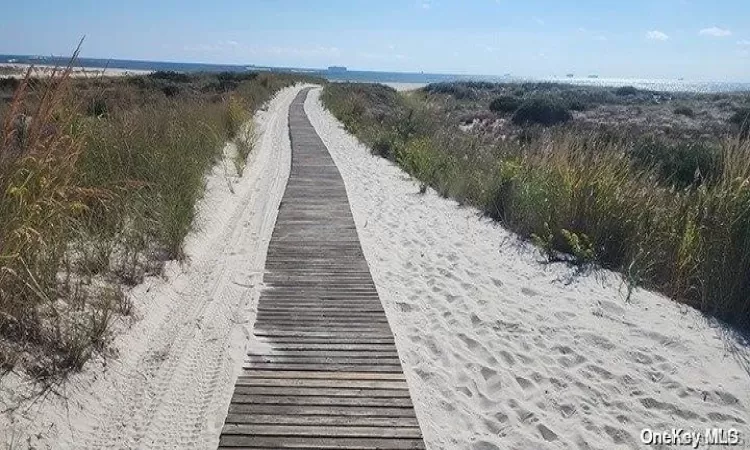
(170, 75)
(541, 111)
(170, 90)
(505, 104)
(626, 91)
(684, 111)
(97, 107)
(741, 118)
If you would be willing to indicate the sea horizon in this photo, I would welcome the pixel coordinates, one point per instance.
(344, 74)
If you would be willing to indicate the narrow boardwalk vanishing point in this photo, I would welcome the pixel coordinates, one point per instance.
(329, 376)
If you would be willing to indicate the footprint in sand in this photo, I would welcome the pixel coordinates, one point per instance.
(508, 358)
(529, 292)
(524, 383)
(487, 373)
(484, 445)
(546, 433)
(405, 307)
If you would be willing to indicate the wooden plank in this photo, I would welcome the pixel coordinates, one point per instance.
(285, 442)
(340, 367)
(298, 419)
(324, 383)
(312, 375)
(321, 431)
(316, 410)
(331, 354)
(320, 392)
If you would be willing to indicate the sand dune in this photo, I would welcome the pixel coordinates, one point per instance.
(503, 352)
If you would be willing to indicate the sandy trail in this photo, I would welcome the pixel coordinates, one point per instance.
(502, 352)
(171, 384)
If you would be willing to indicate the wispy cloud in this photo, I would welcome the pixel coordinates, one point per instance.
(426, 4)
(539, 21)
(656, 35)
(744, 43)
(715, 32)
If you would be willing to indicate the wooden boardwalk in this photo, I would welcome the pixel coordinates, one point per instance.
(330, 376)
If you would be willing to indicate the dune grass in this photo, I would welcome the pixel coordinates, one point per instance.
(589, 198)
(98, 184)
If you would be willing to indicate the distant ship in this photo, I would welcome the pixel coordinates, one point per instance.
(336, 69)
(570, 75)
(593, 76)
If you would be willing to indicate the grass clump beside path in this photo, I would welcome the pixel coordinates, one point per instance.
(98, 184)
(677, 222)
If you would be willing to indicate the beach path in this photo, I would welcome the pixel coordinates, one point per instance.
(323, 370)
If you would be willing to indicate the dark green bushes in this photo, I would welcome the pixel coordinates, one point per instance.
(505, 104)
(741, 118)
(170, 75)
(684, 111)
(542, 111)
(625, 91)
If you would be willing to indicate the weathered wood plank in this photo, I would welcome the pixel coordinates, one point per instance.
(285, 442)
(312, 375)
(320, 392)
(321, 431)
(313, 383)
(298, 419)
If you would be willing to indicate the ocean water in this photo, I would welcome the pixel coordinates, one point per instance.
(384, 77)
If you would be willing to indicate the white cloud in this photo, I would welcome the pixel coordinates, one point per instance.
(715, 32)
(656, 35)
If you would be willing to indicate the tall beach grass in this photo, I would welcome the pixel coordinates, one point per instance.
(98, 184)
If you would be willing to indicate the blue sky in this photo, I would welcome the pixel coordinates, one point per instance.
(701, 40)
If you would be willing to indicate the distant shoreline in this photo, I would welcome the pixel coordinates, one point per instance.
(401, 79)
(16, 70)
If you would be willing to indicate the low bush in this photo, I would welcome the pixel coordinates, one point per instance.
(741, 118)
(505, 104)
(684, 111)
(541, 111)
(170, 75)
(626, 91)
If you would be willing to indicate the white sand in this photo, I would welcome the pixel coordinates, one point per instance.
(502, 352)
(171, 384)
(19, 70)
